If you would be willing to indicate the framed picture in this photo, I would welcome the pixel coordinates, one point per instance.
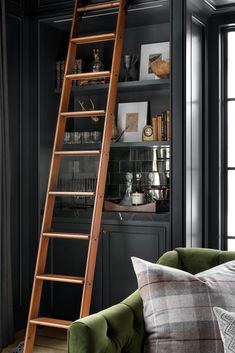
(132, 117)
(149, 53)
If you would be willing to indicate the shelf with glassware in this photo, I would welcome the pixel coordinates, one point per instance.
(138, 177)
(133, 127)
(143, 178)
(150, 72)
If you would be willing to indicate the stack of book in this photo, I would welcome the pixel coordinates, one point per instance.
(60, 68)
(161, 126)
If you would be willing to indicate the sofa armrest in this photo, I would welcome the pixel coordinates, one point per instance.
(117, 329)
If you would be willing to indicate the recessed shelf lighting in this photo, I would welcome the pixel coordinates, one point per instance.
(139, 7)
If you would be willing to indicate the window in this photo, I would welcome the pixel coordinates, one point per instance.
(229, 138)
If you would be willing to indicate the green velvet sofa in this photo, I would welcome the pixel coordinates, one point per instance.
(120, 328)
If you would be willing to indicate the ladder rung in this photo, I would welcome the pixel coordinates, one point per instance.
(88, 75)
(71, 193)
(85, 114)
(61, 278)
(77, 153)
(67, 236)
(99, 6)
(94, 39)
(46, 321)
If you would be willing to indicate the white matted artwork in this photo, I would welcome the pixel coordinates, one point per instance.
(132, 117)
(149, 53)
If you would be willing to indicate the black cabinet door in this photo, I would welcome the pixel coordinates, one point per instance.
(122, 242)
(114, 276)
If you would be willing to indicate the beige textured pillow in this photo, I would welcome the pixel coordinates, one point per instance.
(226, 322)
(178, 306)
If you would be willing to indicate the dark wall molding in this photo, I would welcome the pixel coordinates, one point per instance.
(177, 130)
(16, 115)
(210, 4)
(49, 3)
(215, 204)
(43, 5)
(15, 51)
(198, 11)
(219, 8)
(15, 8)
(35, 8)
(23, 129)
(196, 117)
(18, 3)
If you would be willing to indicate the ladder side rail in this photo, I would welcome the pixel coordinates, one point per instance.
(103, 166)
(49, 202)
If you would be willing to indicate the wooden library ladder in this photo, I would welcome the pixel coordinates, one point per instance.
(103, 153)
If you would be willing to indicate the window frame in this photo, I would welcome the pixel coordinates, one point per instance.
(224, 136)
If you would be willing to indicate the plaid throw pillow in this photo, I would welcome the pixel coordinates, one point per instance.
(226, 322)
(178, 306)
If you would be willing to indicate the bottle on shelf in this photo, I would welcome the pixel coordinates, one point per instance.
(138, 196)
(96, 65)
(149, 196)
(129, 62)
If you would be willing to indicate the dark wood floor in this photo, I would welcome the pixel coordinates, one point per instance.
(48, 341)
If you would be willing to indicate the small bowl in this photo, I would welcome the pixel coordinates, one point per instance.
(161, 68)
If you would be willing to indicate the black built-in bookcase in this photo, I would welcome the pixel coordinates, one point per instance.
(36, 40)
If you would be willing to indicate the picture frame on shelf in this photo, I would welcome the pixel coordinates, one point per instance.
(132, 117)
(149, 53)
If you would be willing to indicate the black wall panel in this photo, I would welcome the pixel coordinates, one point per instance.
(15, 86)
(48, 4)
(177, 129)
(14, 30)
(17, 2)
(53, 2)
(23, 157)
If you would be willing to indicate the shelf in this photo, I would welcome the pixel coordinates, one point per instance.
(75, 215)
(114, 207)
(159, 84)
(144, 144)
(141, 144)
